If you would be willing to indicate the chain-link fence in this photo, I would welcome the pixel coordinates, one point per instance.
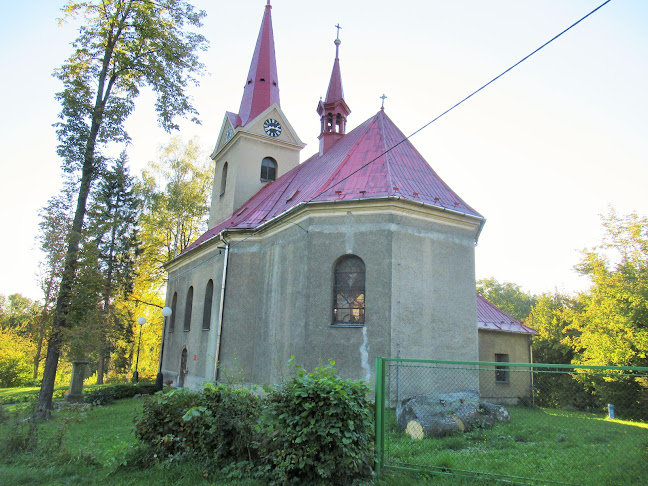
(530, 424)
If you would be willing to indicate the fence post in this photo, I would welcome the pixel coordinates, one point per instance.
(379, 414)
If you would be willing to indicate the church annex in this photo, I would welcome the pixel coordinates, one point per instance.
(360, 251)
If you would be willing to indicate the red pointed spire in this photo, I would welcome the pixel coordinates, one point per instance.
(335, 91)
(261, 86)
(333, 111)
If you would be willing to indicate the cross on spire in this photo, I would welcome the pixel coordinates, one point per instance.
(337, 27)
(383, 98)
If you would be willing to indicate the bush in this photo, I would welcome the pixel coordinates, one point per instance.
(107, 394)
(162, 425)
(228, 419)
(317, 428)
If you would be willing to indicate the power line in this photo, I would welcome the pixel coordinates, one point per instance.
(446, 111)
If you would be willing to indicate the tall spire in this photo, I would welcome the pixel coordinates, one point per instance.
(333, 111)
(261, 86)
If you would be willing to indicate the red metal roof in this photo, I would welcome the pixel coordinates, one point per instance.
(261, 85)
(492, 318)
(402, 173)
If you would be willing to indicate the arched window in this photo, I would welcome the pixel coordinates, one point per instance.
(349, 291)
(209, 294)
(268, 169)
(174, 308)
(223, 179)
(188, 306)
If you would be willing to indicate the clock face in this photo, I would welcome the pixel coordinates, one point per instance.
(229, 134)
(272, 127)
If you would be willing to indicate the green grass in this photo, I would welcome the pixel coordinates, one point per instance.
(29, 393)
(546, 445)
(85, 446)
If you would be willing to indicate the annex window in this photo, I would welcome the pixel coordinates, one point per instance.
(188, 308)
(223, 179)
(501, 372)
(174, 307)
(349, 291)
(209, 294)
(268, 169)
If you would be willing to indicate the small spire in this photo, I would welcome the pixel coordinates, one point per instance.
(383, 98)
(333, 111)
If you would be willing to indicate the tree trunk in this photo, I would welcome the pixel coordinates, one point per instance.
(100, 366)
(44, 405)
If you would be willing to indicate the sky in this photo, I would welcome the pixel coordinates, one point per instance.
(541, 153)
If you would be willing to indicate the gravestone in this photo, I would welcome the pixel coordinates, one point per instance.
(75, 394)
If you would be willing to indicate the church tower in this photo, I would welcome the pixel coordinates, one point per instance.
(333, 111)
(256, 145)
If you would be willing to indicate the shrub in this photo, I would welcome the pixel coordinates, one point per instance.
(162, 426)
(317, 428)
(217, 424)
(107, 394)
(229, 419)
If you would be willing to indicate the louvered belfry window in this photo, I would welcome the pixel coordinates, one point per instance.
(349, 291)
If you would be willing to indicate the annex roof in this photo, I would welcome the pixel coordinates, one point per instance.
(492, 318)
(355, 168)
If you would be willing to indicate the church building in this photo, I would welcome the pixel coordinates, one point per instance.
(358, 252)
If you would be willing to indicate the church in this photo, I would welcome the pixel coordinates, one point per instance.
(360, 251)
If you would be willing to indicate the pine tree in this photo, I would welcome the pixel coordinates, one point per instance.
(113, 228)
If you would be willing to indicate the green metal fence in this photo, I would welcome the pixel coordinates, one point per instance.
(530, 424)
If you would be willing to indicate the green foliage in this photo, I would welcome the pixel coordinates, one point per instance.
(109, 393)
(611, 325)
(16, 352)
(162, 424)
(176, 191)
(315, 428)
(549, 317)
(507, 296)
(318, 428)
(217, 424)
(228, 419)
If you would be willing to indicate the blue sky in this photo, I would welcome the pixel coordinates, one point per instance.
(541, 153)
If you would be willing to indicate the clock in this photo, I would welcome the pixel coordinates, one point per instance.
(272, 127)
(229, 134)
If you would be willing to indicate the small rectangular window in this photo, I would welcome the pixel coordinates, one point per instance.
(501, 372)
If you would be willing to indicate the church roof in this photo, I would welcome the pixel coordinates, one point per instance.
(492, 318)
(262, 85)
(346, 172)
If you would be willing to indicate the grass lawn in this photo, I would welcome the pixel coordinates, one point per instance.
(547, 445)
(86, 446)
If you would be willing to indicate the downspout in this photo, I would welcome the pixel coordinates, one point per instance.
(221, 310)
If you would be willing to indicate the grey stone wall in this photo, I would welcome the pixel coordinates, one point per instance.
(420, 296)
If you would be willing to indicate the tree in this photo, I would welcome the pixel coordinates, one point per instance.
(54, 227)
(123, 45)
(611, 325)
(507, 296)
(176, 191)
(113, 230)
(18, 322)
